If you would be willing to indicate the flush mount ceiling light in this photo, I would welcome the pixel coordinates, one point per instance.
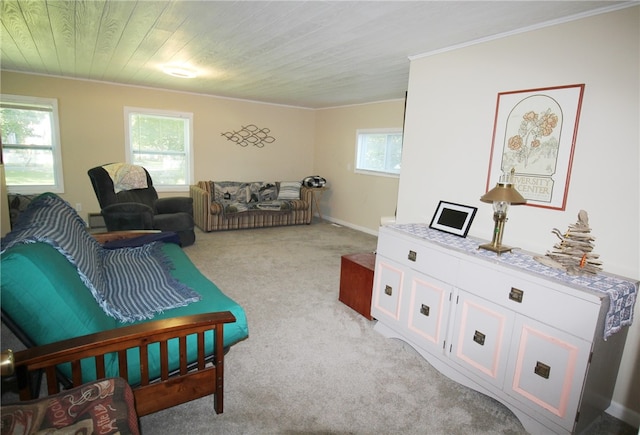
(179, 71)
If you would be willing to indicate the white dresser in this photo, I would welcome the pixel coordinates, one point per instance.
(528, 335)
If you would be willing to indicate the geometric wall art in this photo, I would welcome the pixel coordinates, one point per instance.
(250, 135)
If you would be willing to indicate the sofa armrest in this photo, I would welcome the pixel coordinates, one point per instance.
(151, 395)
(174, 204)
(201, 207)
(306, 194)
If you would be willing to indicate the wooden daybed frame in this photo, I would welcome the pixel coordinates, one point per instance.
(189, 382)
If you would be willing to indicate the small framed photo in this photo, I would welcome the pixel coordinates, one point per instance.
(453, 218)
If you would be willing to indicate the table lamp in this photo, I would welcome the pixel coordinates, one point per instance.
(501, 196)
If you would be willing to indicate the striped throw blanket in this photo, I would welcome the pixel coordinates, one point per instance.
(129, 284)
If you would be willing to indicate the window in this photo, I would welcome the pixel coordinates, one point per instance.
(31, 144)
(161, 142)
(379, 152)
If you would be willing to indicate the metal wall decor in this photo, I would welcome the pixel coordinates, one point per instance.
(250, 135)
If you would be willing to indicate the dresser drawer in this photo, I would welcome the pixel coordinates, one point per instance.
(559, 309)
(414, 254)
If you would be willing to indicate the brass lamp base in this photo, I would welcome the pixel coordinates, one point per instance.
(498, 249)
(499, 217)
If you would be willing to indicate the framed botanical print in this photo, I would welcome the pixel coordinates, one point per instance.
(534, 134)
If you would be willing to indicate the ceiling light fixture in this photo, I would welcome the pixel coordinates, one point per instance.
(179, 71)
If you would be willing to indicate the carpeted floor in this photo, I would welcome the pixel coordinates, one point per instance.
(311, 365)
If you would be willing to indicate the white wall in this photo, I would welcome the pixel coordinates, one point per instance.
(307, 141)
(356, 200)
(449, 125)
(92, 131)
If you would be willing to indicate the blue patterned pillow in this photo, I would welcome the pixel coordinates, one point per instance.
(289, 190)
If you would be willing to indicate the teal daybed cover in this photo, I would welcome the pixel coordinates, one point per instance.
(129, 284)
(44, 295)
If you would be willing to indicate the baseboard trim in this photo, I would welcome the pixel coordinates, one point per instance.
(350, 225)
(627, 415)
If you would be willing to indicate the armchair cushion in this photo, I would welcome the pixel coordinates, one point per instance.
(176, 204)
(167, 222)
(147, 197)
(128, 216)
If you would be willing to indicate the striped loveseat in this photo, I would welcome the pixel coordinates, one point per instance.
(229, 205)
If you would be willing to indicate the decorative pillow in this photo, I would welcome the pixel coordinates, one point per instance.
(289, 190)
(105, 407)
(262, 191)
(233, 191)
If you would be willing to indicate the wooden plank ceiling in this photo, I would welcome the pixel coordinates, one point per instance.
(302, 53)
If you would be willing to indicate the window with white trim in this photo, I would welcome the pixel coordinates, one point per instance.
(161, 142)
(31, 144)
(379, 152)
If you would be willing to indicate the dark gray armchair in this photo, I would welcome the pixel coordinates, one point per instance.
(141, 209)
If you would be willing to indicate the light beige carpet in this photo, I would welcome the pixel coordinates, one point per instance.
(312, 365)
